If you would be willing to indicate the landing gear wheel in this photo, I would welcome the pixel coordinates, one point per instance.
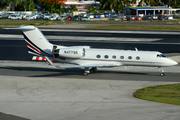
(162, 74)
(93, 70)
(85, 73)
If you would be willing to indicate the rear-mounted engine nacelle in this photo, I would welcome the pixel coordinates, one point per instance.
(72, 52)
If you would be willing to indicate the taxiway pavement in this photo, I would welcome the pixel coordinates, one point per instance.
(32, 91)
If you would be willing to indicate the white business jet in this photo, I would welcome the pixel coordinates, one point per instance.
(88, 58)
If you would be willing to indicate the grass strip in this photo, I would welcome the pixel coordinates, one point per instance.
(161, 93)
(137, 27)
(22, 22)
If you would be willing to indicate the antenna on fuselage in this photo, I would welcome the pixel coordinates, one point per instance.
(136, 49)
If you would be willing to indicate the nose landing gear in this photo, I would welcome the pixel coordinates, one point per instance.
(162, 72)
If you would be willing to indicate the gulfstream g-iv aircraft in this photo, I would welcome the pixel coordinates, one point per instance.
(89, 58)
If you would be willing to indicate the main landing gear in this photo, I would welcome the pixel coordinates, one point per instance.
(89, 70)
(162, 71)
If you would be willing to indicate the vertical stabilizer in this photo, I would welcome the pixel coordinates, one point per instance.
(36, 41)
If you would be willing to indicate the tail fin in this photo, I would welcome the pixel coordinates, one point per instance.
(36, 41)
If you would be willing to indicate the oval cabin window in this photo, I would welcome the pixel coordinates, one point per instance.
(114, 57)
(130, 57)
(98, 56)
(122, 57)
(137, 57)
(106, 56)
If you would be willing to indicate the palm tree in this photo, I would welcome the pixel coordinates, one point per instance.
(148, 2)
(118, 5)
(28, 5)
(12, 3)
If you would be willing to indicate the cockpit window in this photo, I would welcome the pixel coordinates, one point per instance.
(158, 55)
(161, 55)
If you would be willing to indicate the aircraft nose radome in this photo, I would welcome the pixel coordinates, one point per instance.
(173, 62)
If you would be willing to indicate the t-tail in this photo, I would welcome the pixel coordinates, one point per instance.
(36, 41)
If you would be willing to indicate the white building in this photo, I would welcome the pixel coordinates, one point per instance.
(81, 4)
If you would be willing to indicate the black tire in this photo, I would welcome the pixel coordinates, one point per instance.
(162, 74)
(85, 73)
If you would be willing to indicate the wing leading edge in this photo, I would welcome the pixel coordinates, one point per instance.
(114, 64)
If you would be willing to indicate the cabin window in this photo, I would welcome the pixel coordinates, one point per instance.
(98, 56)
(114, 57)
(106, 56)
(130, 57)
(122, 57)
(137, 58)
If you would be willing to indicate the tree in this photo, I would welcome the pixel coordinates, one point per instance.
(52, 5)
(11, 3)
(174, 3)
(91, 9)
(28, 5)
(73, 8)
(19, 4)
(149, 2)
(116, 5)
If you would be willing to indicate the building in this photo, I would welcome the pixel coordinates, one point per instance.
(148, 10)
(81, 4)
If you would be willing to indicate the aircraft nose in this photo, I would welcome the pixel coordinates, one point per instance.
(173, 62)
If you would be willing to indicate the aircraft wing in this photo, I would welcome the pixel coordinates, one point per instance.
(113, 64)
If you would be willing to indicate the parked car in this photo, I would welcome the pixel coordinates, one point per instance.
(106, 14)
(96, 15)
(14, 17)
(53, 17)
(85, 18)
(83, 15)
(69, 18)
(29, 17)
(0, 16)
(8, 14)
(101, 15)
(91, 16)
(122, 16)
(131, 18)
(62, 17)
(142, 15)
(168, 17)
(147, 17)
(155, 17)
(161, 17)
(39, 16)
(76, 17)
(114, 15)
(138, 18)
(46, 16)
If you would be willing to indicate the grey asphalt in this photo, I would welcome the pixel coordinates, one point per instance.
(32, 90)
